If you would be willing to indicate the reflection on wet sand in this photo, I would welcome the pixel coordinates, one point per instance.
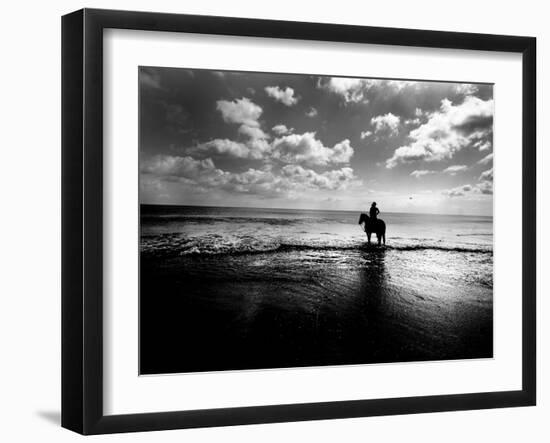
(308, 308)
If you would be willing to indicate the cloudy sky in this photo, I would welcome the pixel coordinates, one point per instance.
(306, 141)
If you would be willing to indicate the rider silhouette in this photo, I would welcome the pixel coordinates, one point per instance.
(374, 211)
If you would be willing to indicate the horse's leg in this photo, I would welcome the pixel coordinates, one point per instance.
(379, 237)
(368, 236)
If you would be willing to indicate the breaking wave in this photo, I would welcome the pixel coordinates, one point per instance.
(177, 245)
(208, 220)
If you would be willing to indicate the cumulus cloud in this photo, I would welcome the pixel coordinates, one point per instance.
(466, 88)
(285, 96)
(252, 132)
(169, 165)
(240, 111)
(365, 134)
(422, 172)
(447, 131)
(246, 113)
(486, 175)
(454, 169)
(204, 174)
(459, 191)
(305, 148)
(483, 145)
(386, 124)
(290, 179)
(484, 186)
(224, 146)
(352, 90)
(485, 160)
(255, 149)
(332, 180)
(288, 147)
(355, 90)
(412, 121)
(259, 148)
(311, 112)
(281, 129)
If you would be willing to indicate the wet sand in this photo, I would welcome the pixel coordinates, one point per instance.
(312, 308)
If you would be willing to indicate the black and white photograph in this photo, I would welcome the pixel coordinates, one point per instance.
(247, 222)
(291, 220)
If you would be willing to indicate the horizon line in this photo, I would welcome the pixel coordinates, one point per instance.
(310, 209)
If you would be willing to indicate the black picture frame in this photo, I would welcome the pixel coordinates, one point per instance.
(82, 219)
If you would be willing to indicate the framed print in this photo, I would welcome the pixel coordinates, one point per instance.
(273, 221)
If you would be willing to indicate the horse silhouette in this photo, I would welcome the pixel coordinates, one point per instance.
(374, 225)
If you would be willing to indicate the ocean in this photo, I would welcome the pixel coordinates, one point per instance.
(251, 288)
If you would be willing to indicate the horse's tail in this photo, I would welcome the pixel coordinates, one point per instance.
(383, 232)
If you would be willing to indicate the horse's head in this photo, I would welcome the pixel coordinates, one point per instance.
(363, 218)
